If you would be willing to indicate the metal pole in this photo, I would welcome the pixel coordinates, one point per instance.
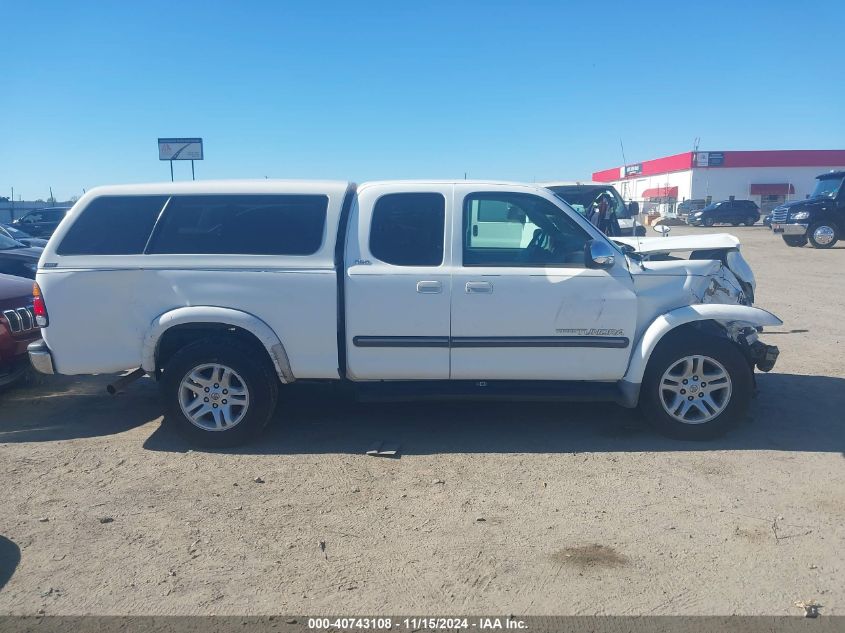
(171, 171)
(192, 171)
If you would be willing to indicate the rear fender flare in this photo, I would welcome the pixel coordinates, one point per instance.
(224, 316)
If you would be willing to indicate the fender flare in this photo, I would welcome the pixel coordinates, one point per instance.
(225, 316)
(665, 323)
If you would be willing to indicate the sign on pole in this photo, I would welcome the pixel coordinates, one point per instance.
(180, 149)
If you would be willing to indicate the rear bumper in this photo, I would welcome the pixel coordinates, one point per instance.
(41, 357)
(789, 229)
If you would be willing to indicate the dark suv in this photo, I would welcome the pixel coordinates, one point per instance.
(41, 222)
(734, 212)
(690, 206)
(820, 219)
(17, 328)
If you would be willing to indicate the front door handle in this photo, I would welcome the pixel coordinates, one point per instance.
(429, 287)
(474, 287)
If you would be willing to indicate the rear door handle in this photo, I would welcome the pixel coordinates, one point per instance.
(474, 287)
(429, 287)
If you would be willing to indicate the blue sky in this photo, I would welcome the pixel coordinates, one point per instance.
(366, 90)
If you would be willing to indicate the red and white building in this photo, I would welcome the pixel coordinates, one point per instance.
(767, 177)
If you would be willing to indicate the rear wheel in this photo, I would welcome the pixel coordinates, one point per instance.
(219, 393)
(795, 240)
(750, 221)
(822, 235)
(696, 387)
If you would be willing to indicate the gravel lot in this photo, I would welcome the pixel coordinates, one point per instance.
(492, 508)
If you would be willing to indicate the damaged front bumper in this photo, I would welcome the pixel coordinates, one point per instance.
(763, 356)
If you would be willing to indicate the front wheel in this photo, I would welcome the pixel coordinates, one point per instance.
(709, 222)
(218, 393)
(822, 235)
(696, 387)
(795, 240)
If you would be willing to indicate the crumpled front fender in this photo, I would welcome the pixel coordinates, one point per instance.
(730, 315)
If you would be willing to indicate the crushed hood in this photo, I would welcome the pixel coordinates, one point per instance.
(720, 246)
(648, 245)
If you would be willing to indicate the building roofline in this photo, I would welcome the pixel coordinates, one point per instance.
(730, 159)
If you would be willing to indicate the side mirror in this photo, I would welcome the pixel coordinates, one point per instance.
(633, 208)
(599, 254)
(662, 229)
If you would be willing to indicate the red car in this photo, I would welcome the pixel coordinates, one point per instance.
(17, 327)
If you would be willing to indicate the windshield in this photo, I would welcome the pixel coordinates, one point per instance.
(827, 187)
(583, 197)
(715, 205)
(7, 243)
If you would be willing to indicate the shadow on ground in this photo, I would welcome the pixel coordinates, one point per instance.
(314, 419)
(69, 407)
(792, 412)
(10, 557)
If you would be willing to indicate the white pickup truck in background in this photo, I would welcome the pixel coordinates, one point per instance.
(228, 291)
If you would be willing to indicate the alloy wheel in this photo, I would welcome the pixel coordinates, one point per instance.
(695, 389)
(213, 397)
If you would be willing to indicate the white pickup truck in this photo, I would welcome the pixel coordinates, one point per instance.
(228, 291)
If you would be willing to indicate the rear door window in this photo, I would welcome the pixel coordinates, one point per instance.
(407, 229)
(242, 225)
(113, 225)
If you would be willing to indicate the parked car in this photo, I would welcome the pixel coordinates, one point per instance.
(41, 222)
(686, 207)
(229, 291)
(17, 328)
(820, 219)
(734, 212)
(17, 258)
(24, 238)
(587, 197)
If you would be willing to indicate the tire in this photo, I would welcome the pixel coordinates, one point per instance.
(708, 222)
(795, 240)
(822, 235)
(750, 221)
(734, 223)
(185, 377)
(726, 405)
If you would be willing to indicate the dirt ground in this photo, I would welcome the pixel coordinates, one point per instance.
(492, 508)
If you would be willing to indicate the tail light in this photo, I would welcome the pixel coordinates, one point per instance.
(39, 308)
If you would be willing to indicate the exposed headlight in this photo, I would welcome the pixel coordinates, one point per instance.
(695, 214)
(800, 215)
(32, 266)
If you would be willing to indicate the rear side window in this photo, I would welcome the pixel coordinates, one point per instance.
(407, 229)
(113, 225)
(242, 225)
